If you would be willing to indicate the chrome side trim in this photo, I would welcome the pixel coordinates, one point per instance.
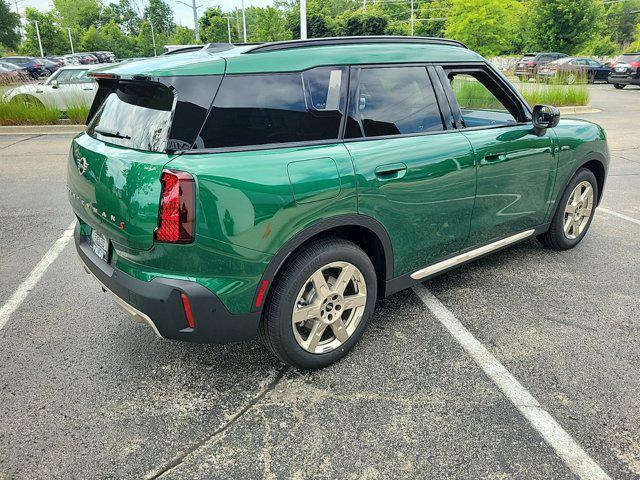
(137, 315)
(470, 255)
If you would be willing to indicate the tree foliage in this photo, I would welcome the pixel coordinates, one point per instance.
(160, 14)
(487, 26)
(564, 25)
(54, 40)
(9, 21)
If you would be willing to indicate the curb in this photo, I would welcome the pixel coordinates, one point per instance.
(578, 110)
(40, 129)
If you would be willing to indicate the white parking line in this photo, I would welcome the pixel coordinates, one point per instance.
(32, 279)
(566, 447)
(619, 215)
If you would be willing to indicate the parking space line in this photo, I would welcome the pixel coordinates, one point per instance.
(619, 215)
(578, 461)
(33, 278)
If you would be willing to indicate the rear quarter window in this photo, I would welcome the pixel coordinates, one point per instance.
(273, 108)
(134, 115)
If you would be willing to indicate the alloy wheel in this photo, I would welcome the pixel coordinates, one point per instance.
(578, 210)
(329, 307)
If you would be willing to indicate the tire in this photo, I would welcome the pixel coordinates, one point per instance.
(559, 238)
(571, 79)
(619, 86)
(292, 341)
(28, 100)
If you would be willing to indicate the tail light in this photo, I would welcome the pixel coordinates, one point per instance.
(531, 64)
(177, 213)
(635, 64)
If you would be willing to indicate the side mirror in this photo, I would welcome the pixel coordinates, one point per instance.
(54, 84)
(545, 116)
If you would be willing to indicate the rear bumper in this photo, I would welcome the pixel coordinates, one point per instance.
(158, 303)
(624, 79)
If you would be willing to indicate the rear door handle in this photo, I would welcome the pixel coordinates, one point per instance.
(391, 171)
(493, 158)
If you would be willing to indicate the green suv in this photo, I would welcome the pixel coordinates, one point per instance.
(281, 189)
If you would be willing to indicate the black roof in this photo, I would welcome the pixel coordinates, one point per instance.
(321, 42)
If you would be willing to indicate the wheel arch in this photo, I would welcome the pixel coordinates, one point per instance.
(366, 232)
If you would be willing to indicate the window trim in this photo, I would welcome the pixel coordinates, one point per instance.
(499, 80)
(353, 90)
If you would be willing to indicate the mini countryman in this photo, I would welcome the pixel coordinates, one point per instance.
(280, 189)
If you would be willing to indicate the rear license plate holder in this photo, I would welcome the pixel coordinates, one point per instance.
(100, 245)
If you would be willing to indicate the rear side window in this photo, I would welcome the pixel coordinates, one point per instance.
(134, 115)
(276, 108)
(393, 101)
(629, 58)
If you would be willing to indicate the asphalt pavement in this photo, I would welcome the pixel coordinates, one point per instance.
(87, 393)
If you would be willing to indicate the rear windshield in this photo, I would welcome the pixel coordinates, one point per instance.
(527, 56)
(635, 57)
(134, 115)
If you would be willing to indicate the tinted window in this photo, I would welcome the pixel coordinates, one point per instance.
(629, 58)
(276, 108)
(394, 101)
(479, 105)
(135, 115)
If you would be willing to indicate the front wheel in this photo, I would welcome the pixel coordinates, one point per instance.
(619, 86)
(574, 214)
(320, 304)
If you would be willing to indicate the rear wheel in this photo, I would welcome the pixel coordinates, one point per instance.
(574, 214)
(571, 79)
(320, 304)
(619, 86)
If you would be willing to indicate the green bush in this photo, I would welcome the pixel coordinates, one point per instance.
(17, 112)
(77, 114)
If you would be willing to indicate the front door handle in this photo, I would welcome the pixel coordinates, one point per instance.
(493, 158)
(391, 172)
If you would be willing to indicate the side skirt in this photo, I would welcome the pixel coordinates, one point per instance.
(405, 281)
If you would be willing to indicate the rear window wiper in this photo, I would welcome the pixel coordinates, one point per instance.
(111, 133)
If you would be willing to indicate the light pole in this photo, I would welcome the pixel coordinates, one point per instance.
(153, 39)
(39, 41)
(19, 19)
(412, 18)
(70, 41)
(303, 19)
(244, 24)
(229, 27)
(194, 8)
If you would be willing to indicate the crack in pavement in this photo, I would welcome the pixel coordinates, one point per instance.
(20, 141)
(157, 473)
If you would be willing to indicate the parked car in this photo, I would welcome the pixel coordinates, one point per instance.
(21, 71)
(67, 87)
(9, 75)
(283, 188)
(87, 58)
(570, 70)
(626, 70)
(72, 59)
(528, 65)
(34, 66)
(59, 61)
(49, 66)
(104, 57)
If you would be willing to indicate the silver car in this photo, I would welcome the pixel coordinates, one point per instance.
(67, 87)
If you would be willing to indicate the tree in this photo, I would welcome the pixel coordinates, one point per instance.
(182, 36)
(432, 18)
(487, 26)
(359, 24)
(78, 13)
(564, 25)
(213, 26)
(9, 22)
(621, 18)
(54, 40)
(160, 14)
(144, 41)
(124, 15)
(269, 26)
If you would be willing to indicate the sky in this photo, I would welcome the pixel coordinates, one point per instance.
(182, 14)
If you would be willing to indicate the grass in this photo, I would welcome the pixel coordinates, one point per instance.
(20, 113)
(472, 94)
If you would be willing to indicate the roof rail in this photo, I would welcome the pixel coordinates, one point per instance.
(321, 42)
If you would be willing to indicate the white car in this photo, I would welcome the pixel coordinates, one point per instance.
(67, 87)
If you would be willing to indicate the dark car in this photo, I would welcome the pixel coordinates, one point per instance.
(34, 66)
(104, 57)
(87, 58)
(626, 70)
(529, 64)
(49, 66)
(571, 70)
